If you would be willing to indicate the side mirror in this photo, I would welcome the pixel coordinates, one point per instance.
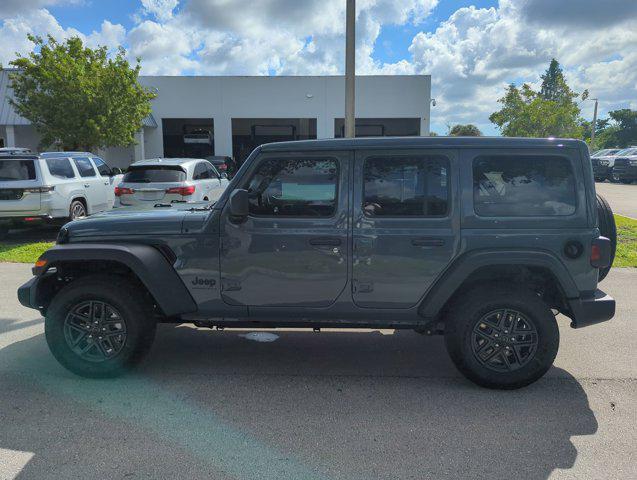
(223, 175)
(239, 203)
(116, 171)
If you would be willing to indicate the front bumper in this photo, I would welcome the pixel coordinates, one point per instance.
(601, 171)
(589, 310)
(27, 293)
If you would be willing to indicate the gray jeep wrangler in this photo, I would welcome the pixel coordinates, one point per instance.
(483, 240)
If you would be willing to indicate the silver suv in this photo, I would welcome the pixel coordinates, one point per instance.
(166, 180)
(54, 185)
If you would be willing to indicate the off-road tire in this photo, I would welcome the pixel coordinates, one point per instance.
(608, 229)
(466, 314)
(122, 295)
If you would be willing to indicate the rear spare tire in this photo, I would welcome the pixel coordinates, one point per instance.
(608, 229)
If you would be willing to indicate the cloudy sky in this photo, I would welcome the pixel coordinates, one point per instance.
(472, 49)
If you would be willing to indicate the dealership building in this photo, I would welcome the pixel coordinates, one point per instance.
(230, 116)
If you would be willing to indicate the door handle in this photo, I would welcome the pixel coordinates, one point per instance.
(87, 185)
(427, 242)
(325, 241)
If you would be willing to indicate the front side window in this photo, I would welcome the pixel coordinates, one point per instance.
(17, 170)
(294, 187)
(406, 186)
(523, 186)
(105, 170)
(60, 167)
(84, 166)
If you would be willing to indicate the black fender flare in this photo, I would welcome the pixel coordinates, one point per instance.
(147, 262)
(452, 278)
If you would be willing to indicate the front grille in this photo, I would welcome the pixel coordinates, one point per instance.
(11, 193)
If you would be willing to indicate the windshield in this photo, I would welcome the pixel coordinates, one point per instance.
(627, 151)
(13, 170)
(155, 174)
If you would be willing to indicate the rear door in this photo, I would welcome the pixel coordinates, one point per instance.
(92, 183)
(405, 231)
(17, 178)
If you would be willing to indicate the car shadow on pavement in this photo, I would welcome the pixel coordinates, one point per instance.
(298, 405)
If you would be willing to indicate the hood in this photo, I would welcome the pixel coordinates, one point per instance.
(127, 223)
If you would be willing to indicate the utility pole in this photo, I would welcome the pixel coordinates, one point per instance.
(594, 122)
(350, 70)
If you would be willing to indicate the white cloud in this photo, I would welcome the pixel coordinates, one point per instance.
(161, 9)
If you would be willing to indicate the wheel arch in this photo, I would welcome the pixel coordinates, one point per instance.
(534, 268)
(145, 263)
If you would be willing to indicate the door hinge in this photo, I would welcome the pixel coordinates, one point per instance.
(362, 287)
(228, 285)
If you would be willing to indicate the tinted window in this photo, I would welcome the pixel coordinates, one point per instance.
(294, 187)
(406, 186)
(84, 166)
(201, 172)
(213, 171)
(17, 170)
(60, 167)
(523, 186)
(105, 170)
(154, 174)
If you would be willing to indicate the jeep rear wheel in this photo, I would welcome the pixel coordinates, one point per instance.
(99, 326)
(501, 337)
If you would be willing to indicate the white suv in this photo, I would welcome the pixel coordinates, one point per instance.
(168, 180)
(54, 185)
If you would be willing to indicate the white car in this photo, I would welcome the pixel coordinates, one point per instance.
(53, 186)
(168, 180)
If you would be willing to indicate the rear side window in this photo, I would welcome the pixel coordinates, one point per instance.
(523, 186)
(60, 167)
(294, 187)
(414, 186)
(17, 170)
(105, 170)
(84, 166)
(202, 172)
(154, 174)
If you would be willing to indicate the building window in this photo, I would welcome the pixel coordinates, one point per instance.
(188, 137)
(380, 127)
(249, 133)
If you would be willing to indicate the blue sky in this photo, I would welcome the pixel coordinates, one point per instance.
(471, 49)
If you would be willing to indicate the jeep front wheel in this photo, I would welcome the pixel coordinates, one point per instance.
(99, 326)
(501, 337)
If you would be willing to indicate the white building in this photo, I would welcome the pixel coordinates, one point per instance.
(229, 116)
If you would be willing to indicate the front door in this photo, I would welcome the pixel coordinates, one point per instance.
(404, 229)
(292, 250)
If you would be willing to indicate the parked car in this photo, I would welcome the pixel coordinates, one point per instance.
(223, 164)
(52, 186)
(482, 240)
(603, 161)
(166, 180)
(625, 166)
(14, 150)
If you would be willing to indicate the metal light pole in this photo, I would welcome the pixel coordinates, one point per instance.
(350, 70)
(594, 122)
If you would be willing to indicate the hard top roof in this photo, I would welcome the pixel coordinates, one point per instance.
(431, 142)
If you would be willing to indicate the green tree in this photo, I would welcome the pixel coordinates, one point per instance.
(78, 97)
(468, 130)
(619, 130)
(551, 112)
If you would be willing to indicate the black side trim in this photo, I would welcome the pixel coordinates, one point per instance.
(466, 264)
(586, 311)
(147, 262)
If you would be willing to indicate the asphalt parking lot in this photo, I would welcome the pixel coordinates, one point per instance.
(337, 405)
(622, 198)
